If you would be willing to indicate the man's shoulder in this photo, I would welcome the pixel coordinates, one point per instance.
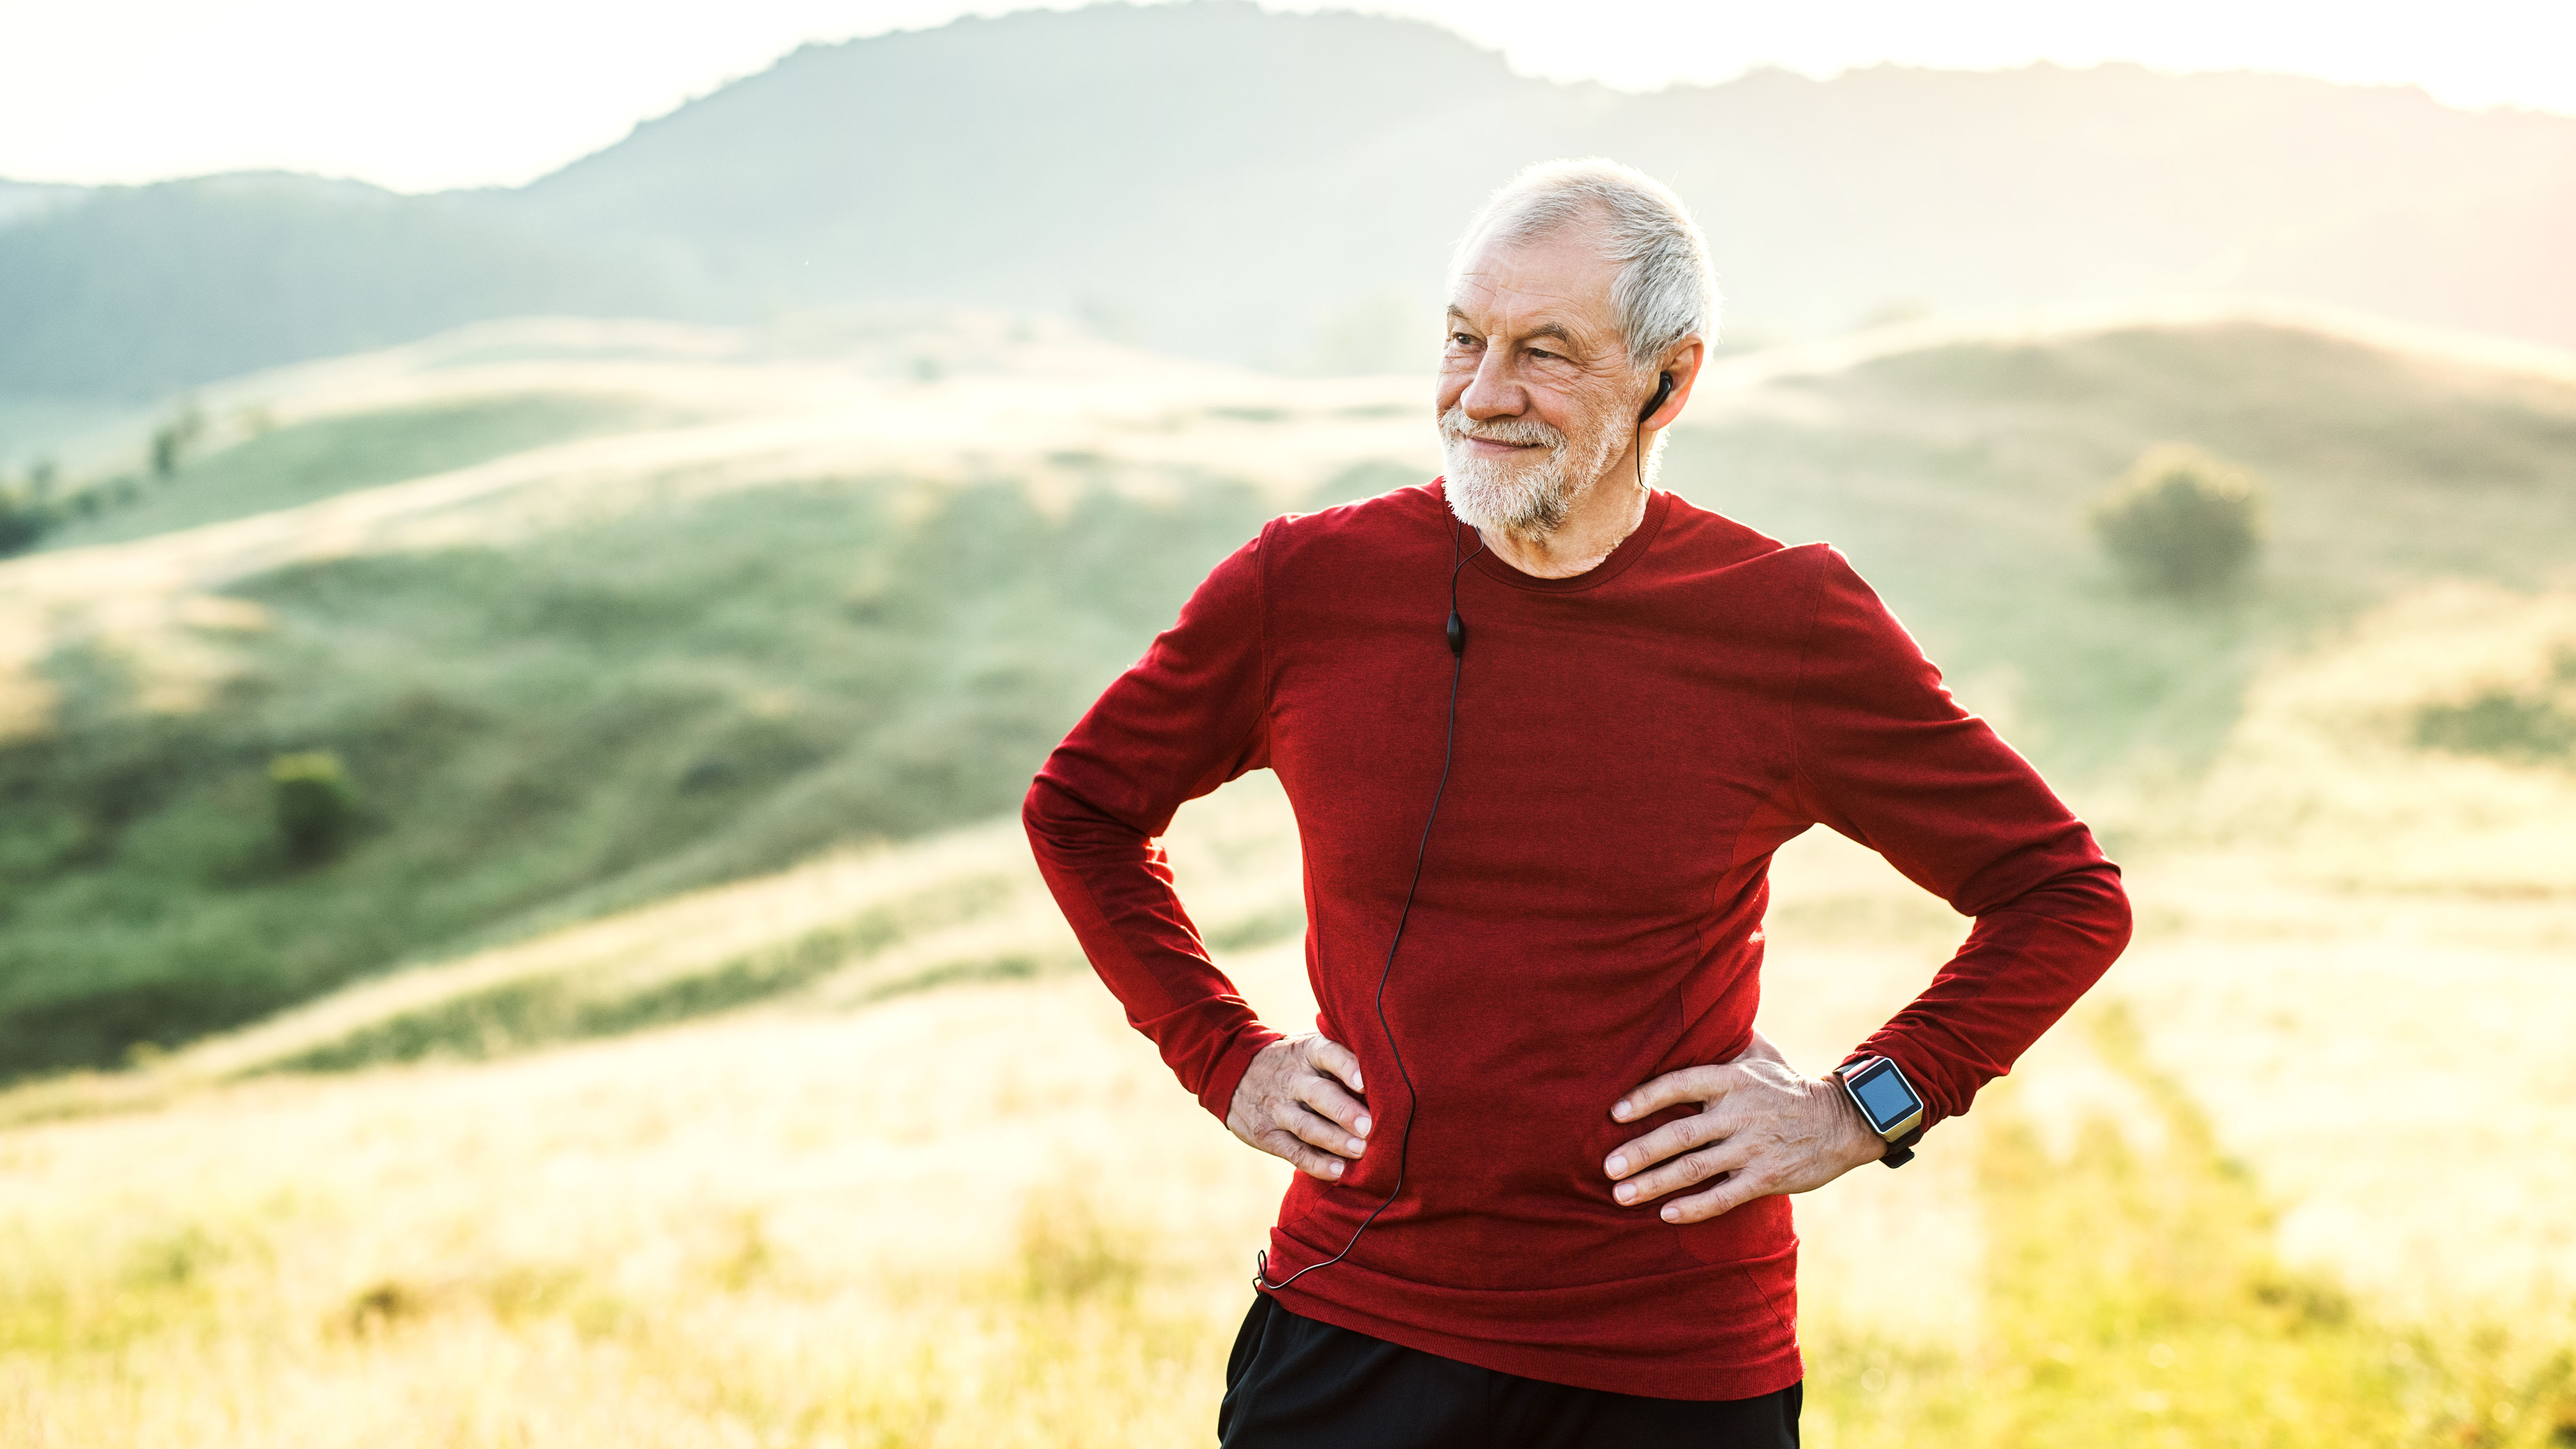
(1709, 537)
(1401, 521)
(1702, 542)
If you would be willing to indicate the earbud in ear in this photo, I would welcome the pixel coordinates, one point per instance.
(1663, 391)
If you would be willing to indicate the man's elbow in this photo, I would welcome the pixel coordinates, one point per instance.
(2121, 919)
(2088, 900)
(1062, 825)
(2095, 902)
(1043, 816)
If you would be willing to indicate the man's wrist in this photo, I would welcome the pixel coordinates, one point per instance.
(1888, 1106)
(1860, 1144)
(1217, 1094)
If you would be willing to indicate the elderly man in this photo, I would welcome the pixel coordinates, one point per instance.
(1543, 726)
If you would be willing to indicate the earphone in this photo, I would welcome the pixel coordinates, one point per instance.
(1663, 392)
(1456, 630)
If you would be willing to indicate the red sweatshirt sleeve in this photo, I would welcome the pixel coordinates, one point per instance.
(1189, 716)
(1887, 757)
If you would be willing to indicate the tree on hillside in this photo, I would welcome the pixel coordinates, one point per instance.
(175, 439)
(2180, 522)
(315, 802)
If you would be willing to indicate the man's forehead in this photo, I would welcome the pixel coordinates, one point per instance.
(1559, 278)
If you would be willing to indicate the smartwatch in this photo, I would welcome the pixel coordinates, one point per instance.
(1887, 1102)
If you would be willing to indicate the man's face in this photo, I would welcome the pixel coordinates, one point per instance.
(1536, 390)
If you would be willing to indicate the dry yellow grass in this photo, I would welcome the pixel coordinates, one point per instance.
(981, 1215)
(985, 1215)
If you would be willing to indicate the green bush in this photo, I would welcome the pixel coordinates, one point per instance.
(2180, 522)
(2528, 726)
(316, 805)
(25, 515)
(175, 440)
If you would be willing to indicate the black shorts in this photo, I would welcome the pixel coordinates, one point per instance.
(1292, 1382)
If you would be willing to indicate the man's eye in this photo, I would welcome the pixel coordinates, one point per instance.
(1461, 339)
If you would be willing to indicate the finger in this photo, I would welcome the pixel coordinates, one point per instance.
(1327, 1098)
(1300, 1156)
(1690, 1084)
(1696, 1130)
(1719, 1200)
(1687, 1170)
(1294, 1119)
(1331, 1056)
(1742, 1187)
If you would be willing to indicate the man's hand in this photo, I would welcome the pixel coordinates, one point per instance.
(1289, 1107)
(1761, 1129)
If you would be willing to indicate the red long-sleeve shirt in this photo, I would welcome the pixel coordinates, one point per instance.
(1633, 743)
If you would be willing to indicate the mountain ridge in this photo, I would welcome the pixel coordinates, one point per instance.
(1133, 166)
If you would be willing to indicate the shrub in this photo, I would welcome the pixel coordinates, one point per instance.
(2181, 522)
(2528, 726)
(174, 440)
(25, 516)
(316, 805)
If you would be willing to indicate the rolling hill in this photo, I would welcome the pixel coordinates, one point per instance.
(695, 605)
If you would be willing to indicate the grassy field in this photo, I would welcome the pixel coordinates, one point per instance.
(982, 1214)
(683, 1052)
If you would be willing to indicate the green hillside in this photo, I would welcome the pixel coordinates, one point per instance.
(595, 718)
(703, 686)
(303, 462)
(1956, 478)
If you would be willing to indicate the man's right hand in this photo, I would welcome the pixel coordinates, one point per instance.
(1290, 1105)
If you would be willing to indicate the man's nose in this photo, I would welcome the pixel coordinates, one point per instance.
(1492, 393)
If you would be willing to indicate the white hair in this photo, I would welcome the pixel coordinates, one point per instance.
(1666, 290)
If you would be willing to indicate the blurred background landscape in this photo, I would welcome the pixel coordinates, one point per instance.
(513, 701)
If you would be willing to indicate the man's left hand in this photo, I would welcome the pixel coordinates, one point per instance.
(1760, 1129)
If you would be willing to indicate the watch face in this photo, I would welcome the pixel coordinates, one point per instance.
(1882, 1093)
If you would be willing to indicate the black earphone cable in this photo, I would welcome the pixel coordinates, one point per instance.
(1637, 439)
(1457, 631)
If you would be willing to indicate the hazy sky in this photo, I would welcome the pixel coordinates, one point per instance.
(472, 92)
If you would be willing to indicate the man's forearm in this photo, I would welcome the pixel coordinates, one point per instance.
(1116, 892)
(2022, 967)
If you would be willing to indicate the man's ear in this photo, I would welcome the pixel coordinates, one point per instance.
(1663, 390)
(1682, 365)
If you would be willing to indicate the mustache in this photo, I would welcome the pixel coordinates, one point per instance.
(1517, 432)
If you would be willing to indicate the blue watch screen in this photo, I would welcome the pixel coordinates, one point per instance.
(1884, 1095)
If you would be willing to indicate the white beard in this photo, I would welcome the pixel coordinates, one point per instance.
(1520, 496)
